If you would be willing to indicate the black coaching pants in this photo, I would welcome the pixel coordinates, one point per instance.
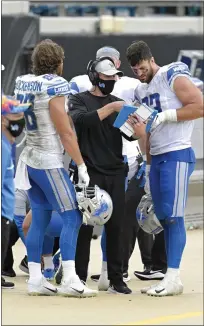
(152, 249)
(13, 238)
(115, 186)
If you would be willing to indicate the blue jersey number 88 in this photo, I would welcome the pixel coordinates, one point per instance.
(30, 118)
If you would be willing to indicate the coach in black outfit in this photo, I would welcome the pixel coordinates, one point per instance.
(93, 113)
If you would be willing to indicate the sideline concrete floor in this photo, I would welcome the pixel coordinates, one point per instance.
(109, 309)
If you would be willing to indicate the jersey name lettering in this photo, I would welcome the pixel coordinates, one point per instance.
(33, 86)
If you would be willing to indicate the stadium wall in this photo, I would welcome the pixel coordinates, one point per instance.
(80, 49)
(19, 34)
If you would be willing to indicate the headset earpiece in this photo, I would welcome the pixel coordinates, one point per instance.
(89, 65)
(92, 74)
(91, 69)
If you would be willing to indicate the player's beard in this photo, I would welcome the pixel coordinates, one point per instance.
(149, 75)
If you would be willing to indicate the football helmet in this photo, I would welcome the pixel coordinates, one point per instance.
(146, 218)
(95, 204)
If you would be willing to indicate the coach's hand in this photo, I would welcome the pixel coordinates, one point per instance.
(83, 175)
(117, 106)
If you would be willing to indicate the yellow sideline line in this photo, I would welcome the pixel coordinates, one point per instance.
(161, 319)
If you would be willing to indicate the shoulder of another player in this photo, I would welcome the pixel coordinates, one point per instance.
(79, 78)
(134, 82)
(126, 83)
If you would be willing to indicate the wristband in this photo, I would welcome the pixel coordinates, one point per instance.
(82, 165)
(148, 169)
(144, 156)
(170, 115)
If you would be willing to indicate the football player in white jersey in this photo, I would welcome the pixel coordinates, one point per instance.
(170, 158)
(40, 167)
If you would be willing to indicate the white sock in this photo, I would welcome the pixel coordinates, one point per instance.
(34, 270)
(68, 269)
(173, 272)
(48, 263)
(104, 267)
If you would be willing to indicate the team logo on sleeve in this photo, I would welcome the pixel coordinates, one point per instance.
(178, 69)
(60, 89)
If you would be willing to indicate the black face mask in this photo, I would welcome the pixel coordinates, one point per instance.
(16, 127)
(105, 86)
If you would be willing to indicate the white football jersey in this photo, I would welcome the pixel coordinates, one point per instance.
(124, 88)
(159, 95)
(43, 148)
(79, 84)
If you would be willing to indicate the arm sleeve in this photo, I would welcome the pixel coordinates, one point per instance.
(4, 160)
(80, 115)
(176, 70)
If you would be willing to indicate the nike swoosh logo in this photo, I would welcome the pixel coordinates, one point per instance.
(154, 272)
(80, 292)
(159, 291)
(54, 291)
